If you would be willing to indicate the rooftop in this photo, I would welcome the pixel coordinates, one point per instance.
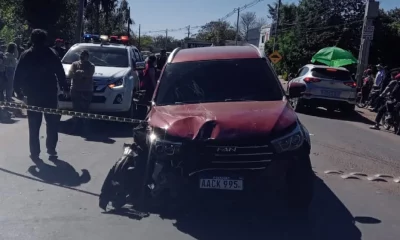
(216, 53)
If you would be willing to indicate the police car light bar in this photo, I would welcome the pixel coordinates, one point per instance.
(124, 38)
(104, 37)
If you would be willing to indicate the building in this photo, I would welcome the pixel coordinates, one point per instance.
(258, 36)
(265, 33)
(253, 36)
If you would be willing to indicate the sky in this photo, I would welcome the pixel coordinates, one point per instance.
(156, 15)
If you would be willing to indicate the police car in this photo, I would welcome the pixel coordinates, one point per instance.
(115, 79)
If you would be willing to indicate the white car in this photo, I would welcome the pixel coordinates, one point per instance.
(115, 79)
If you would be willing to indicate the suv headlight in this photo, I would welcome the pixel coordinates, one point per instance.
(291, 141)
(164, 147)
(118, 83)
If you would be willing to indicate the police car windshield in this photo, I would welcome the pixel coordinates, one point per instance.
(100, 56)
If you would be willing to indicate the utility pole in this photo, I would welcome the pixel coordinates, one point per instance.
(188, 33)
(276, 24)
(237, 26)
(129, 22)
(79, 25)
(166, 38)
(371, 12)
(139, 37)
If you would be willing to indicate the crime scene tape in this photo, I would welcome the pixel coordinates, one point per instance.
(22, 106)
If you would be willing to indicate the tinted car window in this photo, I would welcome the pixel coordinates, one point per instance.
(331, 73)
(99, 56)
(218, 81)
(138, 56)
(303, 71)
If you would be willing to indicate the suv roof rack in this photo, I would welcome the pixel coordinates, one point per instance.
(173, 54)
(260, 53)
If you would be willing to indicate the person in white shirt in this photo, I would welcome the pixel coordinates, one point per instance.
(380, 75)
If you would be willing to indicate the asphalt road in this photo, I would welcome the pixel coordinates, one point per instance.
(61, 202)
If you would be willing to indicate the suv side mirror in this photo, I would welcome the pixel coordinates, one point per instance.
(140, 65)
(296, 89)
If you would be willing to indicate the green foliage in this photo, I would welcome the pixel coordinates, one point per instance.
(109, 17)
(216, 32)
(310, 25)
(10, 24)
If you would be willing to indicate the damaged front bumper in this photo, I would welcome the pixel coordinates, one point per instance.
(239, 166)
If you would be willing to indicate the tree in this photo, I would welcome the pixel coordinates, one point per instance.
(10, 23)
(169, 43)
(216, 32)
(55, 16)
(310, 25)
(109, 20)
(248, 21)
(146, 42)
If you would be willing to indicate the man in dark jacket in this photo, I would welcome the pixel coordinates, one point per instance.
(162, 59)
(38, 75)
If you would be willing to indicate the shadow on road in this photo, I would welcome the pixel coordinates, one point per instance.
(42, 181)
(328, 219)
(62, 173)
(100, 131)
(355, 117)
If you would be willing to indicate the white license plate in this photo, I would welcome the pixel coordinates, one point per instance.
(330, 93)
(221, 183)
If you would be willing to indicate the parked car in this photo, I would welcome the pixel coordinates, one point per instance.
(328, 87)
(226, 127)
(115, 79)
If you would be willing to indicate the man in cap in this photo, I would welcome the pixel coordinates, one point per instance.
(58, 48)
(380, 76)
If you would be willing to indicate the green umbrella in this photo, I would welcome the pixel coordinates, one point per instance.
(334, 57)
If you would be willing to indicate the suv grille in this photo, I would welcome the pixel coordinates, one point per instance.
(238, 155)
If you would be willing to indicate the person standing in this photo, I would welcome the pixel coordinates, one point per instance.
(368, 82)
(380, 75)
(20, 49)
(10, 63)
(81, 74)
(38, 75)
(149, 77)
(162, 59)
(58, 48)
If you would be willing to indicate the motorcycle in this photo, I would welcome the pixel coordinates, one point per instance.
(392, 120)
(372, 98)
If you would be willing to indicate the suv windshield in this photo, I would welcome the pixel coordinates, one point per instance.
(218, 81)
(100, 56)
(331, 73)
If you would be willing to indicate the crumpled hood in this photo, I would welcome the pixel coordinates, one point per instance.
(103, 72)
(223, 120)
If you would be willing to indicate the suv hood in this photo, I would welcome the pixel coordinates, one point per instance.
(103, 72)
(223, 120)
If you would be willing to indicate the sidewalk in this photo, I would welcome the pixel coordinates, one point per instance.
(366, 113)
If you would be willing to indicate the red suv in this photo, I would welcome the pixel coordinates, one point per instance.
(221, 122)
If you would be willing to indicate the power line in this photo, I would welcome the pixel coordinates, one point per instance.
(224, 18)
(307, 30)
